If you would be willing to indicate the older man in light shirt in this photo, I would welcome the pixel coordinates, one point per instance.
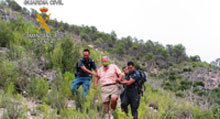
(109, 76)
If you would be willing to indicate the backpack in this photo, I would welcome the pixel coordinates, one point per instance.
(140, 82)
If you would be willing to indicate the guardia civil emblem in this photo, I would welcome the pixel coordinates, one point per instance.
(42, 20)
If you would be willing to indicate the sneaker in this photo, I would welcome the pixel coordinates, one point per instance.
(111, 115)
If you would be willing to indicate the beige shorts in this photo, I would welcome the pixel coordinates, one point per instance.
(110, 91)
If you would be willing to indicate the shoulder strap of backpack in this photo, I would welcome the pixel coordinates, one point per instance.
(77, 68)
(91, 62)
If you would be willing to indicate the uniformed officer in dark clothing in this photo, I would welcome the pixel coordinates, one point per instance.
(130, 95)
(83, 74)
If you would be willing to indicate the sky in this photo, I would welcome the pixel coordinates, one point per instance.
(193, 23)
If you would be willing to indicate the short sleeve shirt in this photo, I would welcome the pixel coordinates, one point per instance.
(134, 75)
(89, 64)
(110, 75)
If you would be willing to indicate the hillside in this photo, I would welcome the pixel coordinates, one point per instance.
(35, 73)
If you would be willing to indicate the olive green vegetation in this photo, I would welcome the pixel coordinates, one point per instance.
(20, 82)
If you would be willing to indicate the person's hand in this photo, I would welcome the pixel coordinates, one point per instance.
(118, 80)
(95, 74)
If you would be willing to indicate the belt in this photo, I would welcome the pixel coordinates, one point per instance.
(109, 84)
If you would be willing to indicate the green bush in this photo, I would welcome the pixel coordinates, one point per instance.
(13, 110)
(138, 66)
(202, 92)
(38, 88)
(67, 80)
(98, 41)
(70, 54)
(120, 48)
(216, 111)
(215, 95)
(15, 51)
(8, 72)
(195, 58)
(43, 108)
(6, 34)
(2, 4)
(196, 89)
(204, 114)
(39, 47)
(180, 93)
(12, 107)
(85, 37)
(56, 58)
(56, 99)
(2, 96)
(185, 84)
(171, 85)
(187, 69)
(122, 115)
(10, 87)
(199, 83)
(168, 115)
(51, 115)
(172, 76)
(72, 114)
(202, 64)
(148, 57)
(80, 100)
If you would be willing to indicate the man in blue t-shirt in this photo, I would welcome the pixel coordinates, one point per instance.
(130, 95)
(83, 74)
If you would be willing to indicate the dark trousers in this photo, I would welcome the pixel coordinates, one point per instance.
(132, 98)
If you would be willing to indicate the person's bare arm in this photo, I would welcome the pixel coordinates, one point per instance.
(96, 81)
(125, 82)
(118, 73)
(88, 71)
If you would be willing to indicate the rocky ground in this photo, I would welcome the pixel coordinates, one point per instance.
(210, 77)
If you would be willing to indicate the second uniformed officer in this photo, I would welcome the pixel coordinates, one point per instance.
(83, 74)
(130, 96)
